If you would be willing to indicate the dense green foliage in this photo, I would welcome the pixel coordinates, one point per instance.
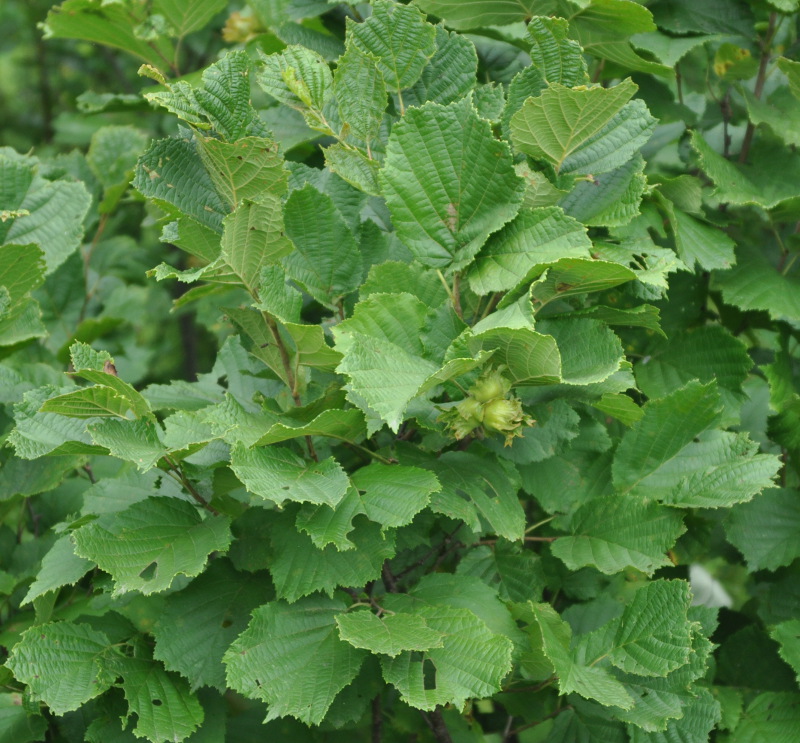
(402, 372)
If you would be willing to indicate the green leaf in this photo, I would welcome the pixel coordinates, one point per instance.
(390, 635)
(326, 525)
(47, 213)
(778, 112)
(354, 167)
(399, 38)
(699, 242)
(382, 349)
(605, 27)
(299, 568)
(582, 131)
(60, 567)
(171, 174)
(199, 623)
(64, 664)
(360, 93)
(467, 14)
(16, 722)
(271, 659)
(589, 681)
(705, 353)
(253, 238)
(276, 474)
(791, 69)
(476, 488)
(22, 269)
(590, 351)
(471, 662)
(668, 425)
(717, 470)
(700, 716)
(326, 261)
(653, 637)
(787, 635)
(135, 441)
(392, 495)
(535, 239)
(147, 545)
(659, 700)
(37, 433)
(249, 168)
(345, 425)
(530, 357)
(557, 58)
(755, 283)
(103, 23)
(515, 573)
(714, 16)
(298, 78)
(165, 709)
(612, 533)
(612, 199)
(754, 182)
(467, 177)
(772, 716)
(89, 402)
(642, 316)
(187, 16)
(449, 74)
(767, 529)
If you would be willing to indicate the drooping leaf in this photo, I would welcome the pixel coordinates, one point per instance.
(667, 426)
(766, 529)
(146, 546)
(619, 531)
(582, 131)
(478, 13)
(60, 567)
(326, 261)
(276, 474)
(199, 623)
(587, 680)
(39, 211)
(535, 239)
(558, 58)
(450, 73)
(392, 495)
(389, 635)
(360, 93)
(271, 658)
(754, 182)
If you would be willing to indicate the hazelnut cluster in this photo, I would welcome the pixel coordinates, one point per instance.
(488, 408)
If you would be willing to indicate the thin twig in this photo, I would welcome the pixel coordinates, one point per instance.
(553, 714)
(291, 377)
(181, 477)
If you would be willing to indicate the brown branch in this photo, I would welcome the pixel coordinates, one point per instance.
(438, 726)
(181, 476)
(766, 48)
(377, 719)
